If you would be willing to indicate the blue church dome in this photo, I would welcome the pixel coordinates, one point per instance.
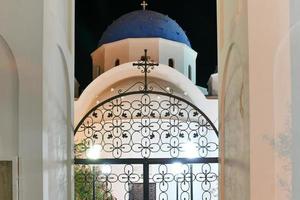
(144, 24)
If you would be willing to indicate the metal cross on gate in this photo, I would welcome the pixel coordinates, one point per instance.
(146, 66)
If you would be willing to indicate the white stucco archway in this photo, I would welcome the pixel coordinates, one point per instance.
(118, 77)
(9, 86)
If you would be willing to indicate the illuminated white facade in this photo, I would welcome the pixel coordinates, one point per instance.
(174, 54)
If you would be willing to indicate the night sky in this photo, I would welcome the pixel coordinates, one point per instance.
(196, 17)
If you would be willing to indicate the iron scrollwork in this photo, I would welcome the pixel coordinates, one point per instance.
(147, 127)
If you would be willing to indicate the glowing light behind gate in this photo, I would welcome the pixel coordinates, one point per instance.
(94, 152)
(190, 150)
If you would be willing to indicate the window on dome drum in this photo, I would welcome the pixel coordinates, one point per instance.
(98, 70)
(171, 63)
(190, 72)
(117, 62)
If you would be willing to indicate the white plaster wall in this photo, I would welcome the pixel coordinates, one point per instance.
(282, 118)
(233, 100)
(138, 45)
(266, 127)
(58, 92)
(295, 97)
(266, 70)
(26, 26)
(21, 26)
(131, 49)
(286, 110)
(9, 87)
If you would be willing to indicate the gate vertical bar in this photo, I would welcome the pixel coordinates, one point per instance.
(176, 189)
(191, 174)
(146, 180)
(94, 182)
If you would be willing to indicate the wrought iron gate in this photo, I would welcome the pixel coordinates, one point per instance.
(145, 144)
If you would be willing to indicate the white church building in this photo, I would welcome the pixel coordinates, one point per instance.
(124, 42)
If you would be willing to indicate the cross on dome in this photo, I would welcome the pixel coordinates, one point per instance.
(144, 5)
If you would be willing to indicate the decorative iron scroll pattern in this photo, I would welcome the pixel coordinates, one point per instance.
(183, 178)
(108, 185)
(172, 181)
(146, 125)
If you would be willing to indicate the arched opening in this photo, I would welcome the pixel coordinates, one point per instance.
(117, 62)
(65, 117)
(144, 149)
(171, 62)
(190, 72)
(9, 115)
(9, 85)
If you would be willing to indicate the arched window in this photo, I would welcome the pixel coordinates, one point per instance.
(117, 62)
(171, 62)
(190, 72)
